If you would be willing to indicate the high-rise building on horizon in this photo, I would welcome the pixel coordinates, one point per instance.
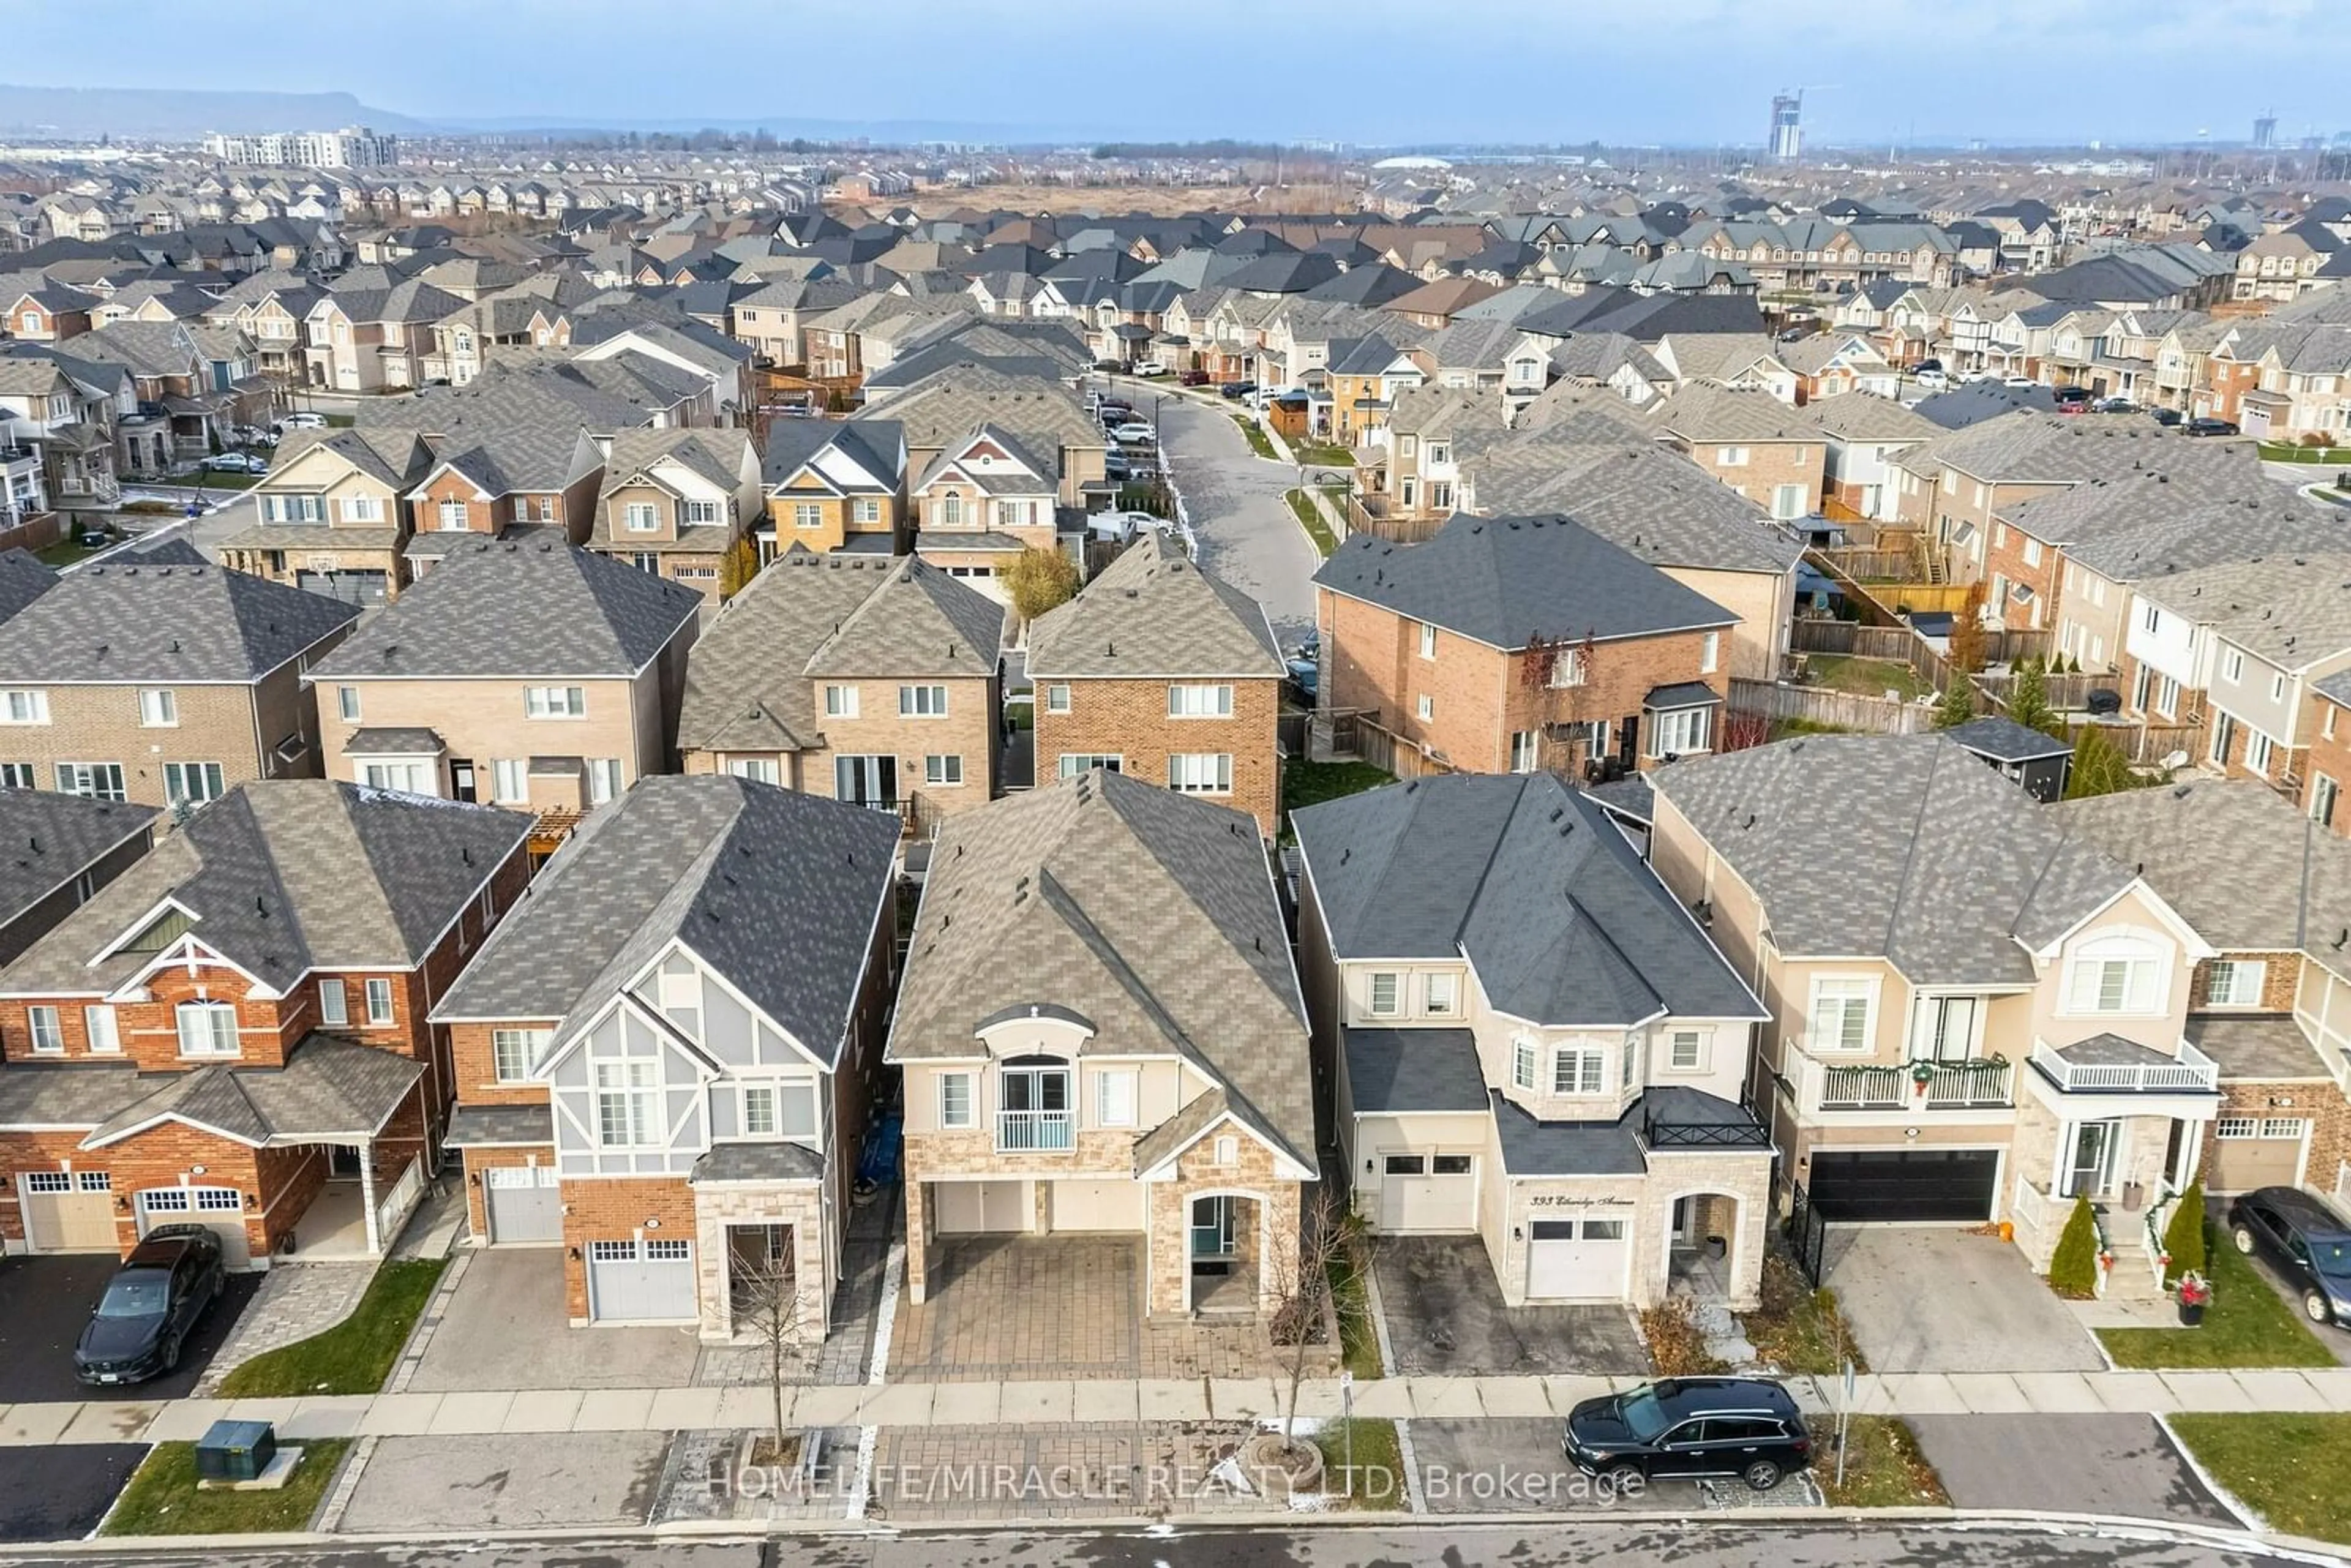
(1787, 142)
(352, 146)
(2264, 132)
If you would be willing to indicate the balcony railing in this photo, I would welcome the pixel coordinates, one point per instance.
(2191, 1071)
(1660, 1133)
(1956, 1086)
(1027, 1131)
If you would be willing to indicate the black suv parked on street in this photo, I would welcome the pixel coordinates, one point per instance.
(1743, 1426)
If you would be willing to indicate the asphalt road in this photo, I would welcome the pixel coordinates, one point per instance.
(1546, 1545)
(1248, 535)
(61, 1493)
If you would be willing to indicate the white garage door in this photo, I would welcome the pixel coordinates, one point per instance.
(967, 1207)
(1097, 1206)
(641, 1281)
(220, 1208)
(1428, 1192)
(1578, 1259)
(68, 1211)
(2249, 1153)
(526, 1204)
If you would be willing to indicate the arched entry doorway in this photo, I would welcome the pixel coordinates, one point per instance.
(1224, 1252)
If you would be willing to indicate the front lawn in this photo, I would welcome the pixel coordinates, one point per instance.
(162, 1499)
(2289, 1468)
(1257, 439)
(1883, 1467)
(1865, 678)
(68, 549)
(354, 1356)
(1351, 1302)
(1322, 455)
(1305, 783)
(1377, 1477)
(2294, 452)
(2248, 1324)
(1799, 1329)
(1309, 518)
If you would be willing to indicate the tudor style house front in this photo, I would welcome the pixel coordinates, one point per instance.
(1100, 1033)
(234, 1030)
(665, 1061)
(1975, 1015)
(1532, 1044)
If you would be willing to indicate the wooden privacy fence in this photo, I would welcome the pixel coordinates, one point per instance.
(1816, 704)
(1888, 566)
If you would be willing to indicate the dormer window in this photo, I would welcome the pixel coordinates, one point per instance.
(1035, 1105)
(2116, 974)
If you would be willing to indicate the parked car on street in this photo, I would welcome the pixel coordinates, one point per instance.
(236, 463)
(1148, 369)
(151, 1305)
(2304, 1241)
(2166, 416)
(1195, 378)
(302, 422)
(1933, 380)
(1237, 389)
(1743, 1426)
(1135, 433)
(2210, 427)
(2113, 405)
(2023, 383)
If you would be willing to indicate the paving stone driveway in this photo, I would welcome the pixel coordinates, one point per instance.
(1446, 1317)
(1923, 1299)
(1057, 1307)
(294, 1301)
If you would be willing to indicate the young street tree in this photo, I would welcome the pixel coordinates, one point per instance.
(1323, 1259)
(1041, 579)
(766, 1297)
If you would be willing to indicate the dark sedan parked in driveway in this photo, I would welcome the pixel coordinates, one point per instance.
(151, 1305)
(1743, 1426)
(2305, 1241)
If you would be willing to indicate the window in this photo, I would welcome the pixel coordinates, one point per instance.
(18, 776)
(347, 704)
(555, 702)
(1426, 706)
(868, 510)
(1567, 667)
(2257, 751)
(758, 769)
(334, 1007)
(2167, 697)
(1114, 1098)
(943, 771)
(513, 1050)
(408, 778)
(759, 1110)
(1439, 994)
(1428, 641)
(95, 780)
(603, 781)
(1403, 1164)
(98, 1022)
(955, 1100)
(922, 702)
(2032, 551)
(1679, 732)
(1201, 773)
(1730, 457)
(1200, 702)
(701, 512)
(2152, 620)
(841, 702)
(49, 1034)
(207, 1029)
(1387, 994)
(1076, 762)
(1523, 751)
(624, 1103)
(1710, 653)
(449, 518)
(2236, 1127)
(1522, 1064)
(510, 781)
(158, 708)
(1575, 1070)
(27, 708)
(2233, 664)
(951, 510)
(1841, 1014)
(808, 514)
(2323, 792)
(1686, 1050)
(2277, 687)
(640, 518)
(2114, 975)
(2235, 983)
(193, 783)
(1057, 697)
(379, 1003)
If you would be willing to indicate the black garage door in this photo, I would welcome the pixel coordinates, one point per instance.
(1903, 1184)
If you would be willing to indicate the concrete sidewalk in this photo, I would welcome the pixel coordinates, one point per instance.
(1201, 1399)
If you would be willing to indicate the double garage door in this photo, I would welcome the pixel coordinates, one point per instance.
(1429, 1193)
(969, 1207)
(219, 1209)
(643, 1281)
(1581, 1260)
(2249, 1153)
(68, 1211)
(1925, 1185)
(526, 1204)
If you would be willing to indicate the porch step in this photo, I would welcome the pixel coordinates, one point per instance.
(2132, 1278)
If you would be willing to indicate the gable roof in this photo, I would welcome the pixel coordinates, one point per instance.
(778, 893)
(1152, 613)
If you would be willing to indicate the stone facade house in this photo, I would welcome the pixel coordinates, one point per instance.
(1530, 1043)
(334, 515)
(676, 501)
(233, 1032)
(665, 1061)
(1100, 1031)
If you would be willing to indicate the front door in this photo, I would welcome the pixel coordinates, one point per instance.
(461, 780)
(1212, 1229)
(2090, 1163)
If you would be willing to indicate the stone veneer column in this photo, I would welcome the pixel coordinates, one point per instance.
(917, 1240)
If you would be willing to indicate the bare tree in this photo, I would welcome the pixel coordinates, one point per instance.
(1323, 1258)
(765, 1293)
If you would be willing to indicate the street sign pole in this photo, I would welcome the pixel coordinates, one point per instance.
(1347, 1423)
(1845, 1418)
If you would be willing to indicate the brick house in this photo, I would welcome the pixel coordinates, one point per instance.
(334, 515)
(1100, 1031)
(1165, 672)
(664, 1065)
(68, 848)
(982, 501)
(525, 672)
(1988, 1017)
(161, 679)
(1752, 442)
(676, 501)
(1520, 644)
(235, 1030)
(1591, 1132)
(834, 488)
(490, 477)
(867, 679)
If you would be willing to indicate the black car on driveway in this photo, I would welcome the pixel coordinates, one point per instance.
(151, 1305)
(2307, 1243)
(1743, 1426)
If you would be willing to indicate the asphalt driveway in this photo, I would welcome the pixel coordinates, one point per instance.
(1446, 1318)
(1924, 1299)
(46, 1301)
(507, 1326)
(1247, 534)
(569, 1478)
(61, 1493)
(2097, 1464)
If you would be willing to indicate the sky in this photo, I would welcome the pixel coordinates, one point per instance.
(1369, 72)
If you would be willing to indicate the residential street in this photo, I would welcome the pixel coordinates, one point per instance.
(1248, 535)
(1703, 1546)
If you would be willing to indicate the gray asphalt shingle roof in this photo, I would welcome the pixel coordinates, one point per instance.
(1558, 916)
(47, 840)
(1150, 612)
(328, 1088)
(134, 621)
(777, 891)
(1413, 1070)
